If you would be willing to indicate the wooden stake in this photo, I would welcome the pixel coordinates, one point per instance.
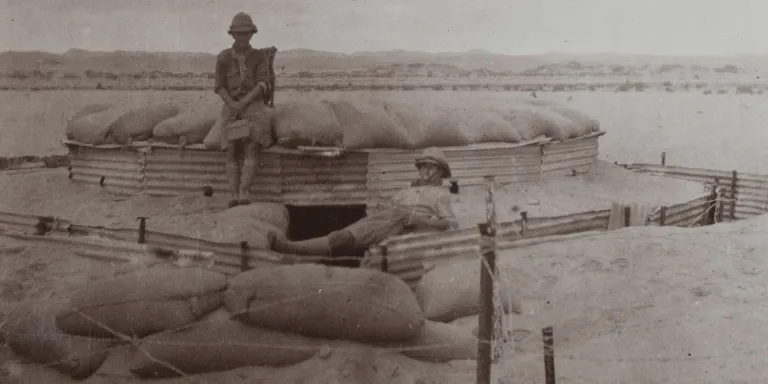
(627, 216)
(549, 354)
(485, 326)
(663, 158)
(244, 256)
(498, 309)
(142, 230)
(384, 260)
(663, 216)
(712, 216)
(734, 180)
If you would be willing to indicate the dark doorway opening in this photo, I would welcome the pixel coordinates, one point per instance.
(320, 220)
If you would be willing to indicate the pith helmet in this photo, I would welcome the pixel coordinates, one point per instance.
(242, 22)
(435, 156)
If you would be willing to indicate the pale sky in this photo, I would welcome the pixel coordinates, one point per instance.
(708, 27)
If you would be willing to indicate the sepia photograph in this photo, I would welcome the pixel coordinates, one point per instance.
(375, 192)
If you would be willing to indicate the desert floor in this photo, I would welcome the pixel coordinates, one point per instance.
(635, 305)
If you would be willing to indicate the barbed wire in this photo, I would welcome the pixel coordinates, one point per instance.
(136, 343)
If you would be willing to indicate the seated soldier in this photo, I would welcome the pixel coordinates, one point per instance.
(425, 206)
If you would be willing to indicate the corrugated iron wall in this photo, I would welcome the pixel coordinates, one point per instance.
(390, 171)
(564, 158)
(172, 172)
(116, 168)
(320, 180)
(747, 193)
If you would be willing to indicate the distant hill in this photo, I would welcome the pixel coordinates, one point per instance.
(395, 62)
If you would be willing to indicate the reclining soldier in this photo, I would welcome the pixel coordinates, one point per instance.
(424, 207)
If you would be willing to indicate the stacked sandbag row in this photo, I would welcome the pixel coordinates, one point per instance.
(193, 320)
(167, 122)
(356, 124)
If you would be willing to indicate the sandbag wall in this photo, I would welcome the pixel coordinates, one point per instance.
(193, 320)
(346, 122)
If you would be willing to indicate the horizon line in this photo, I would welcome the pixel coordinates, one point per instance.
(545, 53)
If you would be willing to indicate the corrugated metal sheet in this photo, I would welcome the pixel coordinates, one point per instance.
(112, 243)
(116, 168)
(562, 158)
(309, 178)
(320, 180)
(690, 213)
(172, 172)
(390, 171)
(408, 255)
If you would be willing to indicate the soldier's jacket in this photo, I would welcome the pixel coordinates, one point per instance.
(240, 75)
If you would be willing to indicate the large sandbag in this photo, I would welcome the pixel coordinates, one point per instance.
(452, 291)
(583, 124)
(143, 302)
(219, 344)
(190, 126)
(427, 124)
(87, 110)
(137, 124)
(251, 223)
(213, 138)
(330, 302)
(93, 128)
(31, 333)
(440, 342)
(481, 125)
(307, 123)
(532, 121)
(368, 125)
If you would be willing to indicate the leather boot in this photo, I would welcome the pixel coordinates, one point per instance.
(246, 180)
(233, 176)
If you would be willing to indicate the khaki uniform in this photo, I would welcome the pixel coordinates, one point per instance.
(390, 220)
(239, 75)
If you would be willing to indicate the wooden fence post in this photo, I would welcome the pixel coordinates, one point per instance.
(498, 308)
(485, 326)
(384, 260)
(712, 215)
(720, 205)
(244, 256)
(627, 216)
(142, 230)
(734, 180)
(663, 216)
(663, 158)
(549, 354)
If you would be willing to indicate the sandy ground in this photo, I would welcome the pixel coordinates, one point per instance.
(636, 305)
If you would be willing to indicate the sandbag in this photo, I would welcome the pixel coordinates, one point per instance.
(87, 110)
(219, 344)
(329, 302)
(93, 128)
(190, 126)
(452, 291)
(531, 121)
(307, 123)
(138, 123)
(440, 342)
(213, 138)
(143, 302)
(481, 125)
(31, 332)
(427, 124)
(583, 124)
(251, 223)
(368, 125)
